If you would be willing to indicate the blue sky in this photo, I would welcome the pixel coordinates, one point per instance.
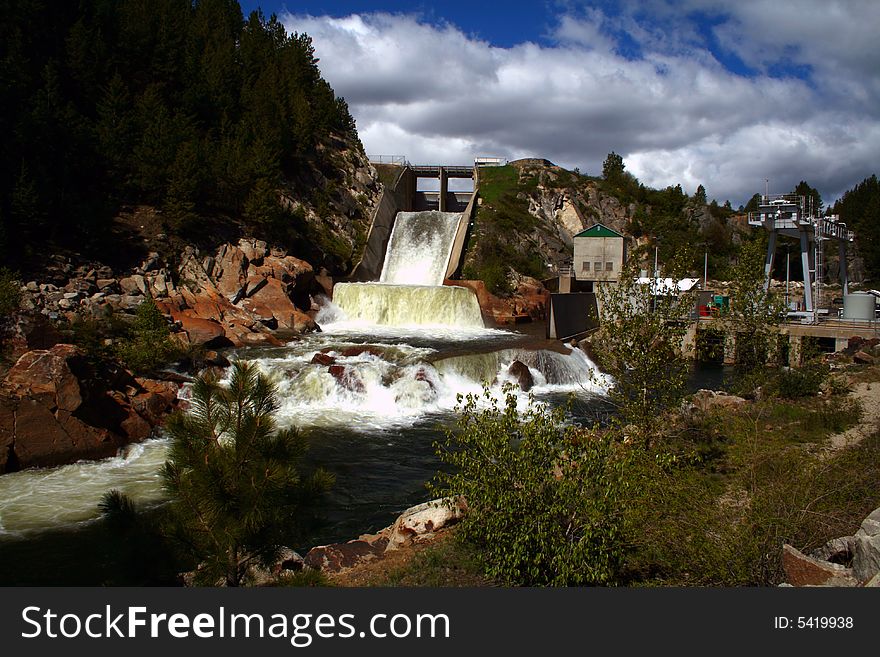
(711, 92)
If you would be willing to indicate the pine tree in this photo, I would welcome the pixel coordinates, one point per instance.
(236, 484)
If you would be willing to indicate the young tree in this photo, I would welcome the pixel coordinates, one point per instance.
(235, 481)
(643, 326)
(148, 344)
(613, 167)
(754, 311)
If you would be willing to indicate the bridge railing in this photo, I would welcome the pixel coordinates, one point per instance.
(389, 159)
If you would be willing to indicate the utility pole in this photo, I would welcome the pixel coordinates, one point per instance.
(705, 268)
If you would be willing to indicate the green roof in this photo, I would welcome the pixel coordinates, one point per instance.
(598, 230)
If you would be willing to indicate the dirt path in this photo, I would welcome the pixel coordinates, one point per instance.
(868, 395)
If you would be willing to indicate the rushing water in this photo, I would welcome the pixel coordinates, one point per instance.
(419, 247)
(373, 424)
(372, 392)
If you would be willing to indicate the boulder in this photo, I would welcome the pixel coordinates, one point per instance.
(58, 407)
(7, 432)
(254, 250)
(230, 270)
(47, 375)
(519, 371)
(40, 440)
(863, 358)
(866, 548)
(322, 359)
(200, 330)
(215, 359)
(424, 519)
(271, 300)
(351, 352)
(801, 570)
(342, 556)
(133, 285)
(704, 400)
(837, 550)
(253, 284)
(347, 377)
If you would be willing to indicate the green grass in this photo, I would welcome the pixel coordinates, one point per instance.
(496, 181)
(447, 562)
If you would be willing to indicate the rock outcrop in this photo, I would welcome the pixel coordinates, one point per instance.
(238, 296)
(57, 407)
(529, 302)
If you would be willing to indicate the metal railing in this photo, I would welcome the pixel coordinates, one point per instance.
(389, 159)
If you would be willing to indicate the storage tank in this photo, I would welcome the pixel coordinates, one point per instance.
(859, 307)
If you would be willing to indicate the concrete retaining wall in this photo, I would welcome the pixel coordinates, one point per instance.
(370, 266)
(460, 237)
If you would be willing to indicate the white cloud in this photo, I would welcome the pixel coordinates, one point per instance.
(435, 94)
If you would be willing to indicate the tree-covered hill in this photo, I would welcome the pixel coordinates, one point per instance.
(185, 106)
(859, 207)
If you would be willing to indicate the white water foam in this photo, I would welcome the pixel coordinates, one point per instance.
(419, 247)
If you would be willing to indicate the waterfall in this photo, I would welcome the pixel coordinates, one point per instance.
(408, 305)
(419, 248)
(410, 291)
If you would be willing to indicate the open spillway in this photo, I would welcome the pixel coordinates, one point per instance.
(410, 291)
(419, 248)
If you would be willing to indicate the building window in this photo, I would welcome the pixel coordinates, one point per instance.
(586, 266)
(609, 266)
(597, 266)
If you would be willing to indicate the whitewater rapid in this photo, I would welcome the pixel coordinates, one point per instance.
(384, 381)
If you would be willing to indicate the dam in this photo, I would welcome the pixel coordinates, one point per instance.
(372, 392)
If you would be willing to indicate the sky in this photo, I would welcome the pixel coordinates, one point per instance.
(727, 94)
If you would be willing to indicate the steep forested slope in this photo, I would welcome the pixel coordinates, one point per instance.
(188, 107)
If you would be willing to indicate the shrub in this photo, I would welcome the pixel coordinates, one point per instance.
(801, 382)
(546, 504)
(10, 293)
(149, 344)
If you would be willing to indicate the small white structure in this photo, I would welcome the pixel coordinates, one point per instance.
(664, 286)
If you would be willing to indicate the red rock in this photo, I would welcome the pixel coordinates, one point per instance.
(7, 429)
(151, 406)
(136, 428)
(47, 373)
(863, 358)
(520, 371)
(230, 270)
(342, 556)
(271, 300)
(801, 570)
(39, 439)
(366, 349)
(200, 330)
(347, 378)
(322, 359)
